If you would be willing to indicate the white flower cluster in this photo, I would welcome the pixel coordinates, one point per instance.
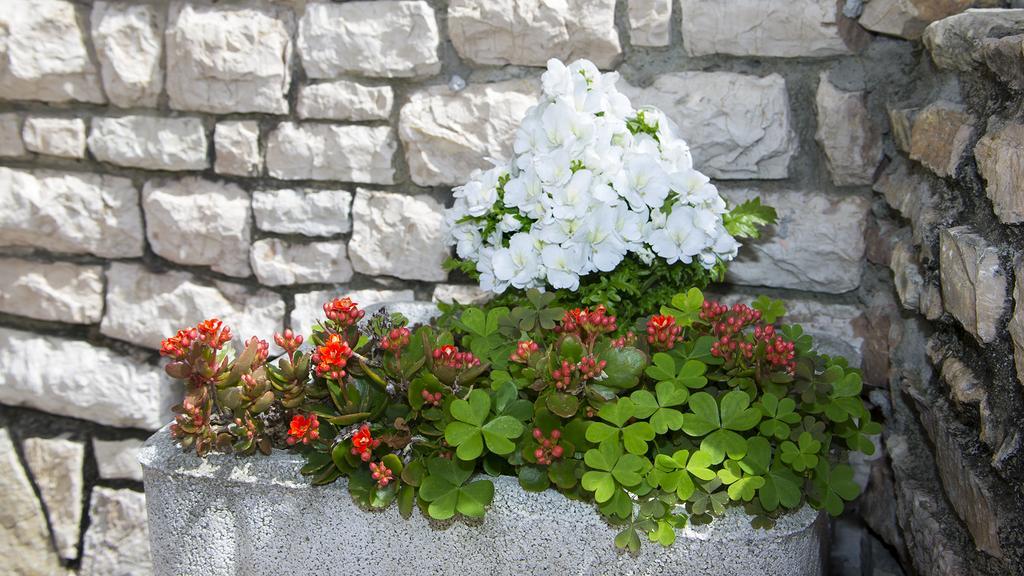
(592, 181)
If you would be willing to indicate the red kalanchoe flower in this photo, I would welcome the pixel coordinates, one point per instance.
(396, 340)
(177, 346)
(663, 333)
(332, 357)
(213, 333)
(343, 311)
(363, 443)
(303, 429)
(289, 340)
(451, 357)
(571, 320)
(524, 348)
(381, 473)
(597, 321)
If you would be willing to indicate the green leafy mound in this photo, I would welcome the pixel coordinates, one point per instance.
(657, 431)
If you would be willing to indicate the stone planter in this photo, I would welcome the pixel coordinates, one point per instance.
(258, 515)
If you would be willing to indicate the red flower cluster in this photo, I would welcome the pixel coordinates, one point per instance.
(343, 311)
(210, 332)
(663, 332)
(549, 449)
(332, 357)
(587, 322)
(363, 443)
(451, 357)
(524, 348)
(177, 346)
(213, 333)
(396, 340)
(381, 473)
(303, 429)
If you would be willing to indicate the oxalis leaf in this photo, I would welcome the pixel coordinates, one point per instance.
(446, 491)
(610, 469)
(470, 433)
(833, 486)
(719, 422)
(635, 436)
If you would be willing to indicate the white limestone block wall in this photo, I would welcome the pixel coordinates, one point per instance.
(164, 161)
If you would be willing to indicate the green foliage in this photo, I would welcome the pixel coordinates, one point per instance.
(655, 439)
(744, 220)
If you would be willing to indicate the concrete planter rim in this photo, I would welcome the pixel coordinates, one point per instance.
(262, 469)
(225, 514)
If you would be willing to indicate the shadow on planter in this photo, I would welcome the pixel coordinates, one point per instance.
(258, 515)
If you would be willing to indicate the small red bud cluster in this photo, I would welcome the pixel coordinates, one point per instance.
(549, 449)
(663, 333)
(303, 429)
(343, 312)
(622, 341)
(590, 367)
(777, 351)
(587, 368)
(262, 351)
(381, 473)
(451, 357)
(190, 419)
(396, 340)
(248, 425)
(587, 323)
(563, 375)
(332, 357)
(432, 399)
(363, 443)
(524, 348)
(289, 341)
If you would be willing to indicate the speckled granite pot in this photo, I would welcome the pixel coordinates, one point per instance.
(258, 515)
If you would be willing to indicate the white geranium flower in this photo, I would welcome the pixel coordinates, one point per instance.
(679, 240)
(518, 263)
(642, 181)
(563, 266)
(587, 184)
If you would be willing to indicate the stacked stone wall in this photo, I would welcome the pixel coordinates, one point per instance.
(166, 161)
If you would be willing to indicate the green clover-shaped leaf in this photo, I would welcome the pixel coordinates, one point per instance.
(833, 486)
(658, 407)
(770, 309)
(469, 432)
(779, 415)
(675, 473)
(781, 487)
(690, 374)
(720, 421)
(635, 436)
(446, 490)
(611, 468)
(803, 455)
(742, 486)
(844, 400)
